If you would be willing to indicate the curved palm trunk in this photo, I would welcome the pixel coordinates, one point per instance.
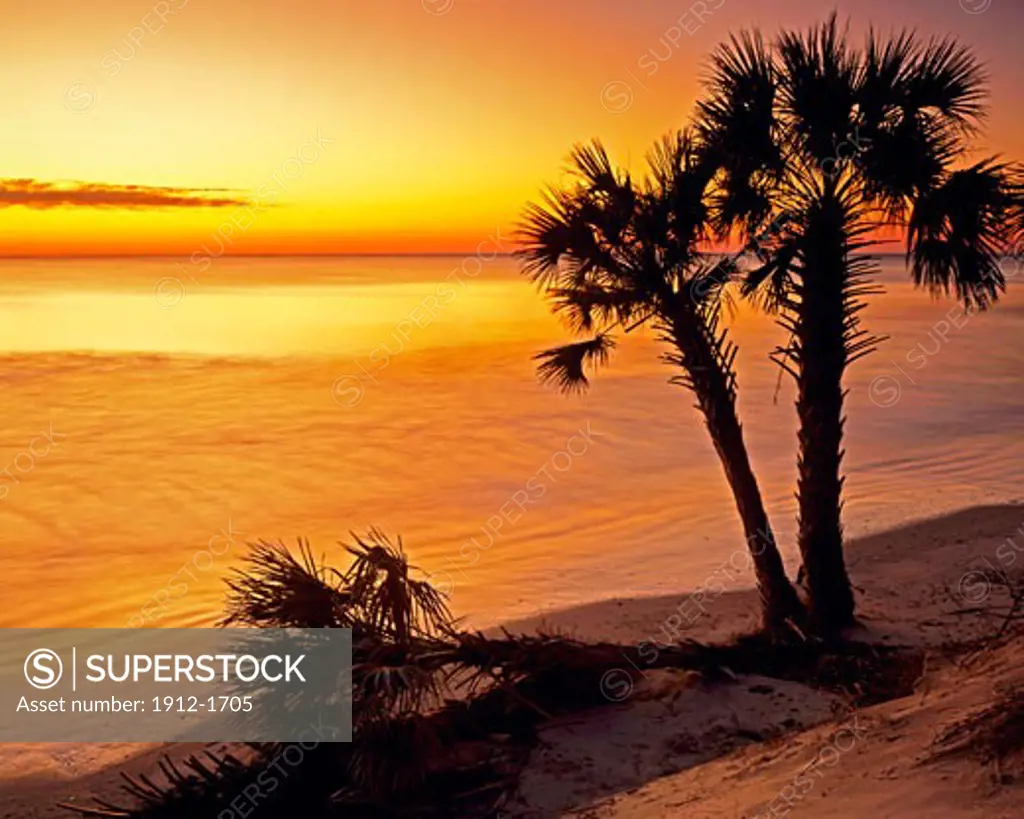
(820, 326)
(707, 359)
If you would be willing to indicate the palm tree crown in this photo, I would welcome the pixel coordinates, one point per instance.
(611, 253)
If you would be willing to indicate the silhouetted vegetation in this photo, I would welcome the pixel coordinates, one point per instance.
(803, 149)
(444, 719)
(613, 254)
(827, 143)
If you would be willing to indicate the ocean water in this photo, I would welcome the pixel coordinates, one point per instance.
(157, 418)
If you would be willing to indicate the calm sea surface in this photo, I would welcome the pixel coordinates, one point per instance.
(152, 423)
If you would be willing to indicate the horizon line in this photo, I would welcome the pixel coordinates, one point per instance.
(354, 255)
(80, 256)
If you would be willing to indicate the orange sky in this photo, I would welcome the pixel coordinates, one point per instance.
(363, 125)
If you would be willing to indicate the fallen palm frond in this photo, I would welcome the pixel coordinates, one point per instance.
(389, 600)
(277, 590)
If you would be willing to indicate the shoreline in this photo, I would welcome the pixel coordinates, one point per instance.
(914, 585)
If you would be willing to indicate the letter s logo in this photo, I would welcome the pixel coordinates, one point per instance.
(39, 668)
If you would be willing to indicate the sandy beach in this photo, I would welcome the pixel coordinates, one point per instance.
(673, 744)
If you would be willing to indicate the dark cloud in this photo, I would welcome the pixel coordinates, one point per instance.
(31, 193)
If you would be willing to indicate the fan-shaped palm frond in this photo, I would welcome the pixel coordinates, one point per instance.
(277, 590)
(674, 206)
(960, 231)
(818, 84)
(947, 79)
(590, 164)
(735, 125)
(673, 158)
(388, 685)
(389, 601)
(566, 366)
(548, 232)
(577, 232)
(915, 103)
(739, 105)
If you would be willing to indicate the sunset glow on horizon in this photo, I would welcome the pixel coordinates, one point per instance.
(357, 127)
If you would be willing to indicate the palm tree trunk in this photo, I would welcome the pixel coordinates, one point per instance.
(820, 330)
(705, 355)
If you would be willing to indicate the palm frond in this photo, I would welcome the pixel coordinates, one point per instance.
(391, 603)
(385, 686)
(948, 79)
(673, 216)
(818, 83)
(902, 158)
(591, 165)
(549, 232)
(736, 123)
(674, 156)
(591, 306)
(277, 590)
(960, 231)
(888, 60)
(579, 232)
(394, 758)
(565, 366)
(916, 101)
(771, 283)
(738, 109)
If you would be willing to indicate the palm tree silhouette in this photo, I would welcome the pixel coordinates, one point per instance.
(829, 143)
(614, 254)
